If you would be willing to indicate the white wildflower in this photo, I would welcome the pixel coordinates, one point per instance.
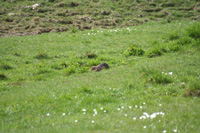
(170, 73)
(146, 114)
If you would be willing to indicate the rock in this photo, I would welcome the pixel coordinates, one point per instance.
(11, 14)
(35, 6)
(32, 6)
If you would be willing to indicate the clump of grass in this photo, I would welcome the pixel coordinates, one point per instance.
(154, 52)
(70, 70)
(43, 71)
(184, 41)
(86, 90)
(194, 31)
(5, 66)
(83, 69)
(157, 77)
(2, 77)
(173, 46)
(133, 51)
(174, 36)
(90, 55)
(160, 78)
(42, 56)
(157, 50)
(194, 88)
(74, 30)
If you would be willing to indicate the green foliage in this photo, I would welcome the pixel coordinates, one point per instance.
(155, 76)
(133, 51)
(194, 88)
(90, 55)
(174, 35)
(85, 90)
(173, 46)
(43, 71)
(2, 77)
(70, 70)
(194, 31)
(74, 30)
(184, 41)
(160, 78)
(5, 66)
(153, 52)
(42, 56)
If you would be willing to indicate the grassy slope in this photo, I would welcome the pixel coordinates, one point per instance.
(35, 87)
(60, 15)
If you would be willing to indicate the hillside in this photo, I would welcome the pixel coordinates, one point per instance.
(47, 49)
(19, 17)
(152, 84)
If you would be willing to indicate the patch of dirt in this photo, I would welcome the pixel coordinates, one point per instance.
(55, 16)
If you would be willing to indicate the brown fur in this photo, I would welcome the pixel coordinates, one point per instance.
(99, 67)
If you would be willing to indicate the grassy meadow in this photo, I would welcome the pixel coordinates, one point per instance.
(152, 84)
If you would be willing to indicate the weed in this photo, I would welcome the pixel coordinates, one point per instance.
(85, 90)
(57, 66)
(194, 31)
(173, 46)
(74, 30)
(83, 69)
(154, 52)
(133, 51)
(43, 71)
(2, 77)
(42, 56)
(90, 55)
(160, 78)
(174, 35)
(70, 70)
(155, 76)
(184, 41)
(5, 66)
(64, 98)
(194, 88)
(63, 64)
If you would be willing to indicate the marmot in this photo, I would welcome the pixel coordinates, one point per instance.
(99, 67)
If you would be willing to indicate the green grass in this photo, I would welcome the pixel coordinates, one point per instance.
(45, 84)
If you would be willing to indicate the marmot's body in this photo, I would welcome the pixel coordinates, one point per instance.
(99, 67)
